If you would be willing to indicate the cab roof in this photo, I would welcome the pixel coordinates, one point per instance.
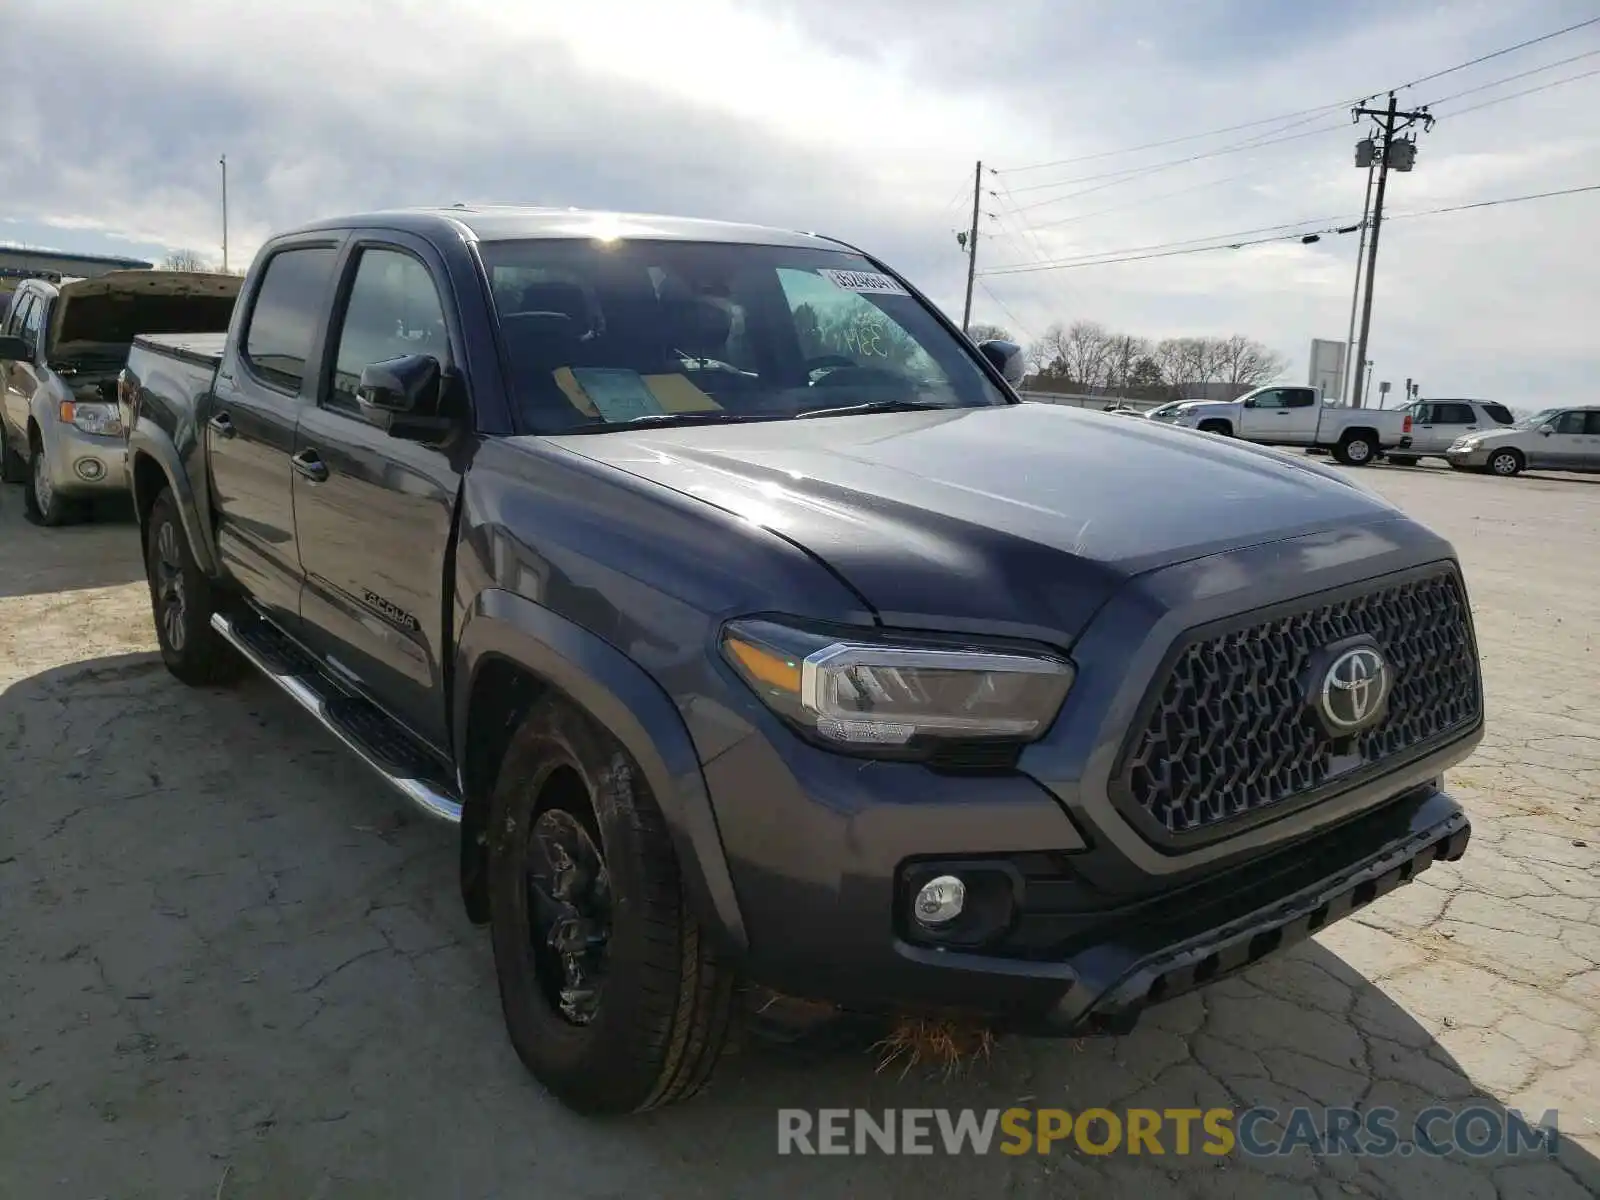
(494, 223)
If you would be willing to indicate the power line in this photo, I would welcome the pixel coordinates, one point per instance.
(1483, 58)
(1005, 308)
(1304, 112)
(1543, 87)
(1297, 226)
(1181, 248)
(1484, 87)
(1188, 137)
(1432, 212)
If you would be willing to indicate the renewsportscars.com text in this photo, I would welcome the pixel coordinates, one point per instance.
(1473, 1131)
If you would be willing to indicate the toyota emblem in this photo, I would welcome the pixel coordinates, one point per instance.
(1354, 689)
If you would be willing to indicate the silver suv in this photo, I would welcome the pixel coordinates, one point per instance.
(1437, 424)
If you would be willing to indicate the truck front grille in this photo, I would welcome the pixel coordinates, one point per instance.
(1229, 729)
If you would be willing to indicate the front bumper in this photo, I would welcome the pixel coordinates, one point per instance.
(84, 464)
(1467, 458)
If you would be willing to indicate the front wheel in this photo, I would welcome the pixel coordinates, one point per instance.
(1220, 428)
(45, 504)
(1506, 463)
(1357, 450)
(612, 997)
(181, 600)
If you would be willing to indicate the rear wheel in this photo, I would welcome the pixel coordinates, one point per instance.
(612, 997)
(1356, 450)
(1506, 463)
(13, 467)
(182, 602)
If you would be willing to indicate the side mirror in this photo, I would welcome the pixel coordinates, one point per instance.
(1547, 430)
(14, 349)
(407, 385)
(1006, 357)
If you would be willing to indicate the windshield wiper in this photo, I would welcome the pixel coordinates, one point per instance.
(873, 406)
(698, 417)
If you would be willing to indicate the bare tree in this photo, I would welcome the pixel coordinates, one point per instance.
(1123, 350)
(1246, 363)
(1171, 361)
(981, 331)
(184, 260)
(1085, 349)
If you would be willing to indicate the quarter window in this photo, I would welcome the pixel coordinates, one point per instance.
(1499, 414)
(394, 311)
(32, 320)
(283, 321)
(1298, 398)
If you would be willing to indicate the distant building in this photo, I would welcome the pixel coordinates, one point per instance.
(18, 263)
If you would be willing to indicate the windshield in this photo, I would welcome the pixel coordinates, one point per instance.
(1543, 417)
(603, 334)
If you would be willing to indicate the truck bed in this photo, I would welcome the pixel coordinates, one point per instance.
(202, 349)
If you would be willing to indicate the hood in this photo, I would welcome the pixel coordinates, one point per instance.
(1020, 518)
(99, 317)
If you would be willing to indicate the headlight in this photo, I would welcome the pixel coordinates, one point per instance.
(1466, 444)
(900, 695)
(92, 417)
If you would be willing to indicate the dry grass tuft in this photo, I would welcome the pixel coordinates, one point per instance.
(951, 1044)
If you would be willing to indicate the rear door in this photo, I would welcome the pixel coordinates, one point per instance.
(1450, 419)
(266, 377)
(1589, 458)
(374, 512)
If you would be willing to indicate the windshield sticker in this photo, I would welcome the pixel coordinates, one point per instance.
(863, 281)
(617, 393)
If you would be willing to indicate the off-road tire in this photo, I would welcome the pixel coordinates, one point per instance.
(666, 1001)
(1356, 450)
(1505, 463)
(192, 650)
(56, 510)
(13, 467)
(1220, 428)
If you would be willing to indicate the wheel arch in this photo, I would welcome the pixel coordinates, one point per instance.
(513, 652)
(153, 464)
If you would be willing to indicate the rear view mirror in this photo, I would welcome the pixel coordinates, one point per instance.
(1006, 357)
(14, 349)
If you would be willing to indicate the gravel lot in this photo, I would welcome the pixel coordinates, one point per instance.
(232, 965)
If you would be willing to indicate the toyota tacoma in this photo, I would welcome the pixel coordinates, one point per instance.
(764, 647)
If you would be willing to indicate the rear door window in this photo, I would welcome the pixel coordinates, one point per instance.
(1592, 422)
(283, 320)
(1454, 414)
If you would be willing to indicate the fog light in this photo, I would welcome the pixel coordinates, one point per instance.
(940, 900)
(91, 470)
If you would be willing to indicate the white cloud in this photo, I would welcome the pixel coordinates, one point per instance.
(862, 118)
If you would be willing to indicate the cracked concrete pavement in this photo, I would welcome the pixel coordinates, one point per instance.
(231, 964)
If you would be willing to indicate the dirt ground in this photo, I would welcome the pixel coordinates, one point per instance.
(231, 964)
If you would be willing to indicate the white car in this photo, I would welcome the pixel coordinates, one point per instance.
(1296, 416)
(1436, 425)
(1557, 439)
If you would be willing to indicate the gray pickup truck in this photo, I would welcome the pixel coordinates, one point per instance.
(769, 653)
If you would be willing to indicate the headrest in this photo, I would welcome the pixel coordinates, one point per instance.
(557, 297)
(697, 327)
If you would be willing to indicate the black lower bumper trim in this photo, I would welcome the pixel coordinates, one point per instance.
(1236, 945)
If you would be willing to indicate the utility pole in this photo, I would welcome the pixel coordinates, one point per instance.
(1350, 379)
(972, 244)
(1401, 155)
(224, 161)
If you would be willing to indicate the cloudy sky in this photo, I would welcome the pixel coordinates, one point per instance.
(863, 118)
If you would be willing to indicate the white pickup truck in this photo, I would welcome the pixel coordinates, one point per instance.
(1296, 416)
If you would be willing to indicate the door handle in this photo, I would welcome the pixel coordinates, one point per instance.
(1471, 427)
(222, 426)
(310, 464)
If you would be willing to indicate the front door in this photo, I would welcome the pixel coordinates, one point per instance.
(251, 426)
(1265, 417)
(1563, 448)
(374, 512)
